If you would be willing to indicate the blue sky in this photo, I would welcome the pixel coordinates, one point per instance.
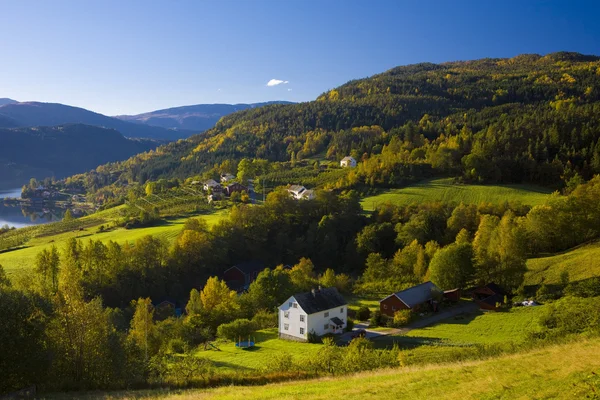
(127, 57)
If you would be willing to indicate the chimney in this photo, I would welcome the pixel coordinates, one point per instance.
(313, 292)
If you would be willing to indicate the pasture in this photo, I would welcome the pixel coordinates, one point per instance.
(24, 258)
(268, 346)
(562, 371)
(445, 190)
(581, 263)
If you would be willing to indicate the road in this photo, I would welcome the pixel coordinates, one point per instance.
(421, 323)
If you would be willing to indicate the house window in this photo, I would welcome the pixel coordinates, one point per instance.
(286, 314)
(326, 326)
(290, 304)
(286, 326)
(393, 308)
(385, 306)
(302, 318)
(342, 310)
(302, 331)
(295, 305)
(327, 314)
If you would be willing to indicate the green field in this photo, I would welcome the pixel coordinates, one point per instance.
(556, 372)
(490, 327)
(446, 191)
(268, 345)
(24, 258)
(581, 263)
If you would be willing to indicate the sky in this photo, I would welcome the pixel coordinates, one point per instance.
(128, 57)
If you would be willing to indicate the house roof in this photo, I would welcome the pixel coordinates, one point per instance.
(211, 182)
(321, 300)
(416, 295)
(308, 193)
(248, 267)
(336, 321)
(495, 288)
(347, 158)
(493, 300)
(296, 188)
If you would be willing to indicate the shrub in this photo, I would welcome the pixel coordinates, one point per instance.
(401, 318)
(363, 313)
(313, 337)
(571, 315)
(376, 318)
(349, 325)
(240, 328)
(177, 346)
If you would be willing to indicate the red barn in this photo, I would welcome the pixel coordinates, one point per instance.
(410, 299)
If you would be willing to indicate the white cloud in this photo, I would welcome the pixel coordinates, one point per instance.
(289, 90)
(275, 82)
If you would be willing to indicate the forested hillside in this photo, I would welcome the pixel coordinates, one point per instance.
(530, 118)
(60, 151)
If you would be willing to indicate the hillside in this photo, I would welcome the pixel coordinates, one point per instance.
(557, 372)
(528, 119)
(445, 190)
(30, 114)
(197, 118)
(61, 151)
(581, 263)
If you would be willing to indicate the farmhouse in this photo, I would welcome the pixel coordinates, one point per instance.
(235, 187)
(227, 177)
(240, 276)
(210, 184)
(348, 162)
(299, 192)
(320, 311)
(413, 298)
(489, 296)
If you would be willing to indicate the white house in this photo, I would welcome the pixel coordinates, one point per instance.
(348, 162)
(227, 177)
(209, 184)
(321, 311)
(299, 192)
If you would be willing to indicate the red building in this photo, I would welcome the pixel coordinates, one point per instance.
(414, 298)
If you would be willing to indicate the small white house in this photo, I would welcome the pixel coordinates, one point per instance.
(348, 162)
(209, 184)
(227, 177)
(321, 311)
(299, 192)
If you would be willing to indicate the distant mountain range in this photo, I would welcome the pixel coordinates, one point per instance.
(30, 114)
(61, 151)
(197, 118)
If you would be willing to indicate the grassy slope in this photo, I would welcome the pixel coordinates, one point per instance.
(484, 327)
(444, 190)
(581, 263)
(548, 373)
(13, 261)
(267, 346)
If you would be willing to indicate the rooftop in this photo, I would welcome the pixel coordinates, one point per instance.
(417, 294)
(320, 300)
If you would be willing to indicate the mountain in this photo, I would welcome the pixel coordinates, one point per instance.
(5, 100)
(197, 118)
(30, 114)
(61, 151)
(526, 119)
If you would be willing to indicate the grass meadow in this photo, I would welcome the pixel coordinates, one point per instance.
(555, 372)
(445, 190)
(581, 263)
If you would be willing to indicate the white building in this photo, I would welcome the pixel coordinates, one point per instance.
(227, 177)
(209, 184)
(348, 162)
(321, 311)
(299, 192)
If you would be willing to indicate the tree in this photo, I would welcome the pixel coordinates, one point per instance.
(270, 289)
(452, 266)
(215, 305)
(4, 281)
(47, 265)
(302, 275)
(142, 331)
(68, 215)
(236, 330)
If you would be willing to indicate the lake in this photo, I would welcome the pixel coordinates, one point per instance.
(20, 217)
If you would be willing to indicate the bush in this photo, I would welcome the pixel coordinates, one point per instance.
(240, 328)
(349, 325)
(587, 288)
(376, 318)
(401, 318)
(363, 313)
(264, 319)
(571, 315)
(313, 337)
(177, 346)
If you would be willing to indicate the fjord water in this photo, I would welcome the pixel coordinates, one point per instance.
(18, 216)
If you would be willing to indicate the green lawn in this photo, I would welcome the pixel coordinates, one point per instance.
(446, 191)
(480, 327)
(581, 263)
(556, 372)
(357, 302)
(267, 346)
(24, 258)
